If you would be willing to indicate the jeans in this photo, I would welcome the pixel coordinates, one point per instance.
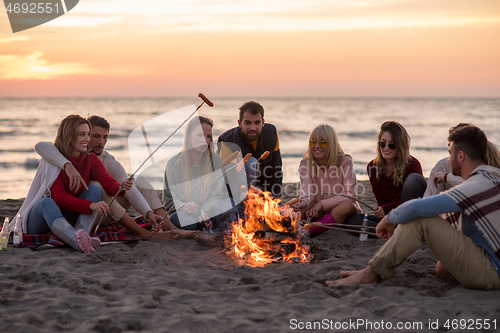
(220, 222)
(46, 211)
(413, 187)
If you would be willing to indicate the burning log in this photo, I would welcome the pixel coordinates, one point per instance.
(273, 256)
(285, 248)
(267, 233)
(274, 236)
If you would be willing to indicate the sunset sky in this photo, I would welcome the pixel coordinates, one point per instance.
(386, 48)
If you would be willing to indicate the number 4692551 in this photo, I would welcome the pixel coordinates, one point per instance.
(32, 8)
(470, 324)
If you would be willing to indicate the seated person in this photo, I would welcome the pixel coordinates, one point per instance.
(254, 136)
(194, 185)
(325, 172)
(472, 254)
(52, 206)
(141, 198)
(395, 175)
(441, 177)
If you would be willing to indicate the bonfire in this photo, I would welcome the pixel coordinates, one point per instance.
(267, 233)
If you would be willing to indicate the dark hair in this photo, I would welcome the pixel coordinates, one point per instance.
(471, 140)
(460, 125)
(99, 121)
(252, 107)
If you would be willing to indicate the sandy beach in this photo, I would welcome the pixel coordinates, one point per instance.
(181, 286)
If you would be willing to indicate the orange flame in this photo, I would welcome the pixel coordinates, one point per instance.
(265, 215)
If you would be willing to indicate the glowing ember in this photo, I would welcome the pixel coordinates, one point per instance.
(267, 233)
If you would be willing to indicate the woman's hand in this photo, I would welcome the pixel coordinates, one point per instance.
(126, 184)
(189, 207)
(155, 220)
(314, 211)
(207, 224)
(439, 178)
(379, 212)
(299, 205)
(75, 179)
(101, 207)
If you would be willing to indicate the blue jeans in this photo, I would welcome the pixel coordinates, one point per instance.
(46, 211)
(220, 222)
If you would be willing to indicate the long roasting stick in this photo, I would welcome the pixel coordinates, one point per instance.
(342, 195)
(205, 100)
(309, 225)
(319, 224)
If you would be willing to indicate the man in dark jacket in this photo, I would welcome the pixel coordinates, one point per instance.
(254, 136)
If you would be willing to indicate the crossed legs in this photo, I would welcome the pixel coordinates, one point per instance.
(466, 261)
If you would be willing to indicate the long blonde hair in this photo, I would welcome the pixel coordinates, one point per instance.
(335, 153)
(492, 155)
(206, 165)
(402, 140)
(67, 133)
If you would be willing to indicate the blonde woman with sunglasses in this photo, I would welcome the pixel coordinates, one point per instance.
(395, 175)
(325, 172)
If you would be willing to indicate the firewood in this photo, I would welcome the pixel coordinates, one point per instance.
(285, 248)
(274, 236)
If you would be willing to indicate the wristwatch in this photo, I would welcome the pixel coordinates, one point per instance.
(446, 177)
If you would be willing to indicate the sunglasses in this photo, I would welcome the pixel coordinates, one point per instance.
(321, 143)
(391, 146)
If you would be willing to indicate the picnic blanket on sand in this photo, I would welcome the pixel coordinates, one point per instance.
(107, 232)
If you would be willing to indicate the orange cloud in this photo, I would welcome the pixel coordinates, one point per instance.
(34, 67)
(14, 39)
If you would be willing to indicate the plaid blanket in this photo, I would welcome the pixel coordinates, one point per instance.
(479, 198)
(107, 232)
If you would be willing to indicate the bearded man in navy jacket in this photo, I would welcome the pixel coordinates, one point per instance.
(254, 136)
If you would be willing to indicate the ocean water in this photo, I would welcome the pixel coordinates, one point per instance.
(24, 122)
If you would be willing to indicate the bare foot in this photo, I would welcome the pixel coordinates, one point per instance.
(353, 278)
(441, 270)
(166, 235)
(344, 274)
(187, 233)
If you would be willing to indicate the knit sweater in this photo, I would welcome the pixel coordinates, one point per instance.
(174, 191)
(90, 168)
(51, 154)
(340, 180)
